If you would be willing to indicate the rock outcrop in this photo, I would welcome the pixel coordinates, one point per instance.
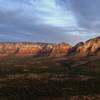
(34, 49)
(55, 50)
(89, 48)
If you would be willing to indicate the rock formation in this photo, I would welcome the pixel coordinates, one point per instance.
(34, 49)
(55, 50)
(89, 48)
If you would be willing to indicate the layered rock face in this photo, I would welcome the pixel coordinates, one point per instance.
(55, 50)
(90, 47)
(34, 49)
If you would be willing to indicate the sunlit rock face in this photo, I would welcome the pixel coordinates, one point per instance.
(34, 49)
(19, 49)
(55, 50)
(90, 47)
(60, 49)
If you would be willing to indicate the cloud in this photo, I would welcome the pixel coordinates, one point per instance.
(45, 20)
(87, 13)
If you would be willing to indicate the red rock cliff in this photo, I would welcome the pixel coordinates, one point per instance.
(34, 49)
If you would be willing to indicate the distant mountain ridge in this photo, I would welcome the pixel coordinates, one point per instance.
(88, 48)
(33, 49)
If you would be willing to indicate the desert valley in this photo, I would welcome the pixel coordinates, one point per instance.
(48, 71)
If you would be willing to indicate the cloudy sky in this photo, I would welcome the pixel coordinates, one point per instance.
(49, 20)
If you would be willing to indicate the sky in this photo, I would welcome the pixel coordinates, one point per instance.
(53, 21)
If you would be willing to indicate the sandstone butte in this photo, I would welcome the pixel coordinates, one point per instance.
(34, 49)
(90, 47)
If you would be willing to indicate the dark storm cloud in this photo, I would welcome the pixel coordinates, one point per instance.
(15, 26)
(87, 13)
(48, 20)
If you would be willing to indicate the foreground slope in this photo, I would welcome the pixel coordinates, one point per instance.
(42, 78)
